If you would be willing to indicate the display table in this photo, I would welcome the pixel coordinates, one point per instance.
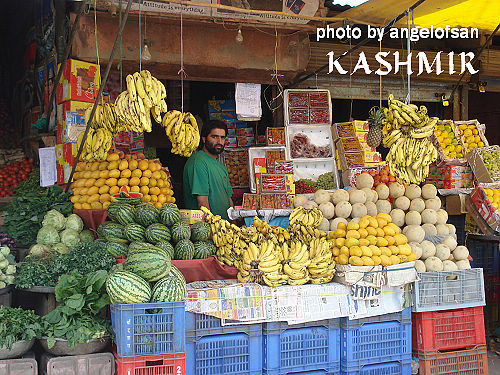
(204, 269)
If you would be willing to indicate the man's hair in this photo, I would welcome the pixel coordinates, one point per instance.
(213, 124)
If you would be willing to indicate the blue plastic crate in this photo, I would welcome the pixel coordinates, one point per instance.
(485, 253)
(225, 354)
(375, 340)
(387, 368)
(313, 372)
(201, 325)
(459, 222)
(302, 347)
(148, 328)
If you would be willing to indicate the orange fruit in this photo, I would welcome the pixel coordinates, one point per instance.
(93, 198)
(123, 182)
(133, 164)
(86, 206)
(154, 190)
(123, 165)
(113, 165)
(160, 183)
(136, 173)
(147, 173)
(163, 190)
(135, 189)
(105, 198)
(111, 181)
(104, 189)
(96, 205)
(104, 174)
(87, 166)
(143, 165)
(94, 166)
(77, 205)
(100, 182)
(152, 182)
(90, 182)
(156, 175)
(152, 166)
(83, 198)
(113, 156)
(134, 181)
(126, 173)
(114, 190)
(87, 174)
(144, 181)
(144, 189)
(105, 205)
(115, 173)
(83, 191)
(93, 190)
(146, 198)
(74, 198)
(158, 204)
(95, 174)
(162, 198)
(163, 174)
(154, 198)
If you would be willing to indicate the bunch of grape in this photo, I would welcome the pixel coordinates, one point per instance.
(326, 181)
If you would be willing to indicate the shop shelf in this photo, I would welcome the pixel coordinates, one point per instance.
(387, 368)
(485, 253)
(447, 290)
(165, 364)
(448, 329)
(379, 339)
(460, 362)
(225, 354)
(459, 222)
(25, 366)
(200, 325)
(301, 348)
(148, 328)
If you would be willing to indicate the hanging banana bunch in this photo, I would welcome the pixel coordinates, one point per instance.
(182, 130)
(97, 144)
(145, 96)
(406, 131)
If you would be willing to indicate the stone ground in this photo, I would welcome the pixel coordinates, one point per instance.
(493, 363)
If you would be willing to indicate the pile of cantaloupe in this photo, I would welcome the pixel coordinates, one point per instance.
(94, 183)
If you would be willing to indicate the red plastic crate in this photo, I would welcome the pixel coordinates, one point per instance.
(448, 329)
(460, 362)
(164, 364)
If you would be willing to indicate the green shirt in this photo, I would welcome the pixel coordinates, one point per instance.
(203, 175)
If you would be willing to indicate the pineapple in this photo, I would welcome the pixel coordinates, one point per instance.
(374, 136)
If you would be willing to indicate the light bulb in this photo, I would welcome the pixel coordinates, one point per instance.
(146, 55)
(239, 36)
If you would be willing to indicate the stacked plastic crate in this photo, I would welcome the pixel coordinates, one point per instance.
(376, 345)
(485, 254)
(448, 324)
(213, 349)
(149, 338)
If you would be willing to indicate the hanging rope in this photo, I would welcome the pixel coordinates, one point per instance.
(95, 34)
(140, 39)
(181, 71)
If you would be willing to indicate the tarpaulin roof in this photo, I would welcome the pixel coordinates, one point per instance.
(481, 14)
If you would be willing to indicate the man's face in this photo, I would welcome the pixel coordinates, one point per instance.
(215, 141)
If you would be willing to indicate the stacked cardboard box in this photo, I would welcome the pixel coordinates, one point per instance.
(450, 177)
(352, 149)
(75, 92)
(239, 134)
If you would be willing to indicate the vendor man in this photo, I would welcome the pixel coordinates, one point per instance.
(206, 181)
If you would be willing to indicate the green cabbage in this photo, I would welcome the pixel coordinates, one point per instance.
(60, 248)
(4, 250)
(47, 235)
(39, 250)
(74, 222)
(55, 219)
(70, 237)
(86, 236)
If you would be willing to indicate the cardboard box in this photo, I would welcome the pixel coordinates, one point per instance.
(349, 129)
(477, 165)
(192, 216)
(63, 109)
(455, 204)
(484, 207)
(225, 105)
(80, 81)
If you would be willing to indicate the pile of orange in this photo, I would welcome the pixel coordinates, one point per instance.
(95, 182)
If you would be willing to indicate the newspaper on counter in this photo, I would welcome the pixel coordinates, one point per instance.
(359, 275)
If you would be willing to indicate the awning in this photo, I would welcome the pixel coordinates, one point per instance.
(481, 14)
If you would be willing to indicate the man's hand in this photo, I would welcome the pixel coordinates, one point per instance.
(202, 201)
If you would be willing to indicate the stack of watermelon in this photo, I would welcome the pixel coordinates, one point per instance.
(150, 238)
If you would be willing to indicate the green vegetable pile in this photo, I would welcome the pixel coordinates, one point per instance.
(24, 215)
(29, 186)
(77, 318)
(325, 181)
(17, 324)
(86, 257)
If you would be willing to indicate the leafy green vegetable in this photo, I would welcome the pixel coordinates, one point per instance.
(55, 219)
(30, 185)
(24, 215)
(75, 222)
(48, 235)
(69, 237)
(86, 236)
(85, 258)
(76, 318)
(18, 324)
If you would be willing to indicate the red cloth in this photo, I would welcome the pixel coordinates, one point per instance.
(92, 218)
(205, 269)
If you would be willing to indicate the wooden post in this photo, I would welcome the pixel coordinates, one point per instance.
(464, 103)
(456, 105)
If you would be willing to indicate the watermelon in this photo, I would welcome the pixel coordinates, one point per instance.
(180, 231)
(146, 214)
(157, 232)
(112, 209)
(170, 288)
(170, 214)
(112, 232)
(167, 247)
(116, 249)
(203, 249)
(200, 231)
(134, 232)
(184, 250)
(127, 287)
(124, 214)
(151, 264)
